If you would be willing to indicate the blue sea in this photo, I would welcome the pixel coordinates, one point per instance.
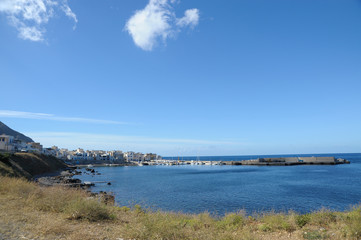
(222, 189)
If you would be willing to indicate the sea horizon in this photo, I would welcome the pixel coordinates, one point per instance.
(243, 157)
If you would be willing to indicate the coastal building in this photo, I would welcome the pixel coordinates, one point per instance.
(35, 147)
(62, 153)
(20, 145)
(118, 156)
(6, 142)
(150, 156)
(49, 152)
(129, 156)
(138, 157)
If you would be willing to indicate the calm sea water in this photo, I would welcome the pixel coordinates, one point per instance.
(221, 189)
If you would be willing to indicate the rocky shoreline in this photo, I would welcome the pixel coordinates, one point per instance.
(65, 178)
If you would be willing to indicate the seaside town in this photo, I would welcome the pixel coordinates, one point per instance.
(79, 156)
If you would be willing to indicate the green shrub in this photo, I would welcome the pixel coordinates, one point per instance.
(287, 226)
(302, 220)
(323, 218)
(231, 221)
(264, 227)
(138, 209)
(278, 222)
(124, 209)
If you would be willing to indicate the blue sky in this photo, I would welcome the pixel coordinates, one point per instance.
(182, 77)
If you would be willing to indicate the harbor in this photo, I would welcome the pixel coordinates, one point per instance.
(277, 161)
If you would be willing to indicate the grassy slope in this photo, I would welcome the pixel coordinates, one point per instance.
(29, 211)
(28, 164)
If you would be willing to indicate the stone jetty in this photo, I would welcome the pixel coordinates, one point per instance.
(280, 161)
(289, 161)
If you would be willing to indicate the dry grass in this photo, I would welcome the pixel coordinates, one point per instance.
(28, 211)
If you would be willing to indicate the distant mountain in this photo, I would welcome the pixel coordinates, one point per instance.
(8, 131)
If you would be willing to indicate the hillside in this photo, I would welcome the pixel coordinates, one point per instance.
(8, 131)
(28, 164)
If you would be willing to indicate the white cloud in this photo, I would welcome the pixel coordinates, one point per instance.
(191, 18)
(68, 12)
(46, 116)
(31, 33)
(157, 21)
(30, 16)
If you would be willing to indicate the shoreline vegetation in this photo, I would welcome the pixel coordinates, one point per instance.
(33, 210)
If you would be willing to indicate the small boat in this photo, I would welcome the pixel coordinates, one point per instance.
(89, 166)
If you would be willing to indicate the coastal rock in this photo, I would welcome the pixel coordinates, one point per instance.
(71, 180)
(107, 198)
(90, 170)
(104, 197)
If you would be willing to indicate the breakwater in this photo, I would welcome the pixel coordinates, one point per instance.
(275, 161)
(290, 161)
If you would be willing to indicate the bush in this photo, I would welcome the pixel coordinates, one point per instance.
(231, 221)
(264, 227)
(138, 209)
(323, 218)
(124, 209)
(88, 209)
(302, 220)
(278, 222)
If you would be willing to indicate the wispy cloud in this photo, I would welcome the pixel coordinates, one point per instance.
(46, 116)
(128, 139)
(29, 17)
(157, 21)
(73, 140)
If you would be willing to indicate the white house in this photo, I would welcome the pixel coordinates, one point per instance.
(129, 156)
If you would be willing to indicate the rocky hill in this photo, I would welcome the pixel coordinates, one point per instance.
(8, 131)
(28, 164)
